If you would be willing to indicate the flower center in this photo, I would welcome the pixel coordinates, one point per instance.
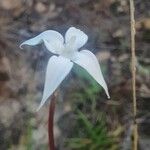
(69, 48)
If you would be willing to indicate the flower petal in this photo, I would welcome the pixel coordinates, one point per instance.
(54, 39)
(57, 69)
(74, 34)
(89, 62)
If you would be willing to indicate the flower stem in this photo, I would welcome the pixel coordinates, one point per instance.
(51, 123)
(133, 63)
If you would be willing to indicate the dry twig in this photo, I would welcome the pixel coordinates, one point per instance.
(133, 63)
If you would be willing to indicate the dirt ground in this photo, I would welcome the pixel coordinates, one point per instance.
(22, 72)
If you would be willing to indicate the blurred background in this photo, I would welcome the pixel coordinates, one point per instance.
(84, 119)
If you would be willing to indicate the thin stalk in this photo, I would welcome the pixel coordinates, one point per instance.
(133, 63)
(51, 123)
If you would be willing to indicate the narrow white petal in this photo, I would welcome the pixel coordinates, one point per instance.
(89, 62)
(57, 69)
(55, 47)
(53, 38)
(79, 36)
(33, 41)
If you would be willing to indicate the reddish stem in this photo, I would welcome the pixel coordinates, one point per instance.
(51, 123)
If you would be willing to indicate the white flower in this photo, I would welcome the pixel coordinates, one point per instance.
(67, 53)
